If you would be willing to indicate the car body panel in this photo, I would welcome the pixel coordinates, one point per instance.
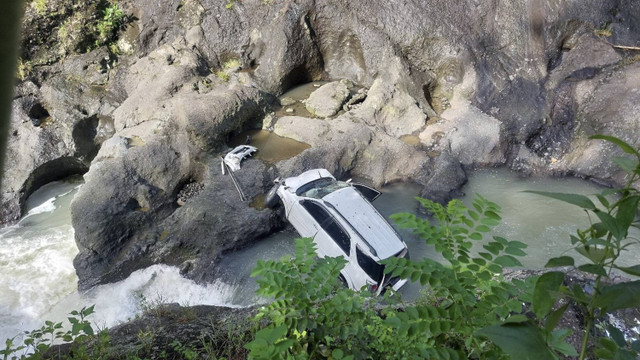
(235, 156)
(367, 221)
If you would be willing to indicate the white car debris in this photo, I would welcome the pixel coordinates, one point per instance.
(235, 156)
(232, 161)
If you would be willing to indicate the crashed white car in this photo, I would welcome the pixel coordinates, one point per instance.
(342, 221)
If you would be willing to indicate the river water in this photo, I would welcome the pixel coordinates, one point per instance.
(38, 280)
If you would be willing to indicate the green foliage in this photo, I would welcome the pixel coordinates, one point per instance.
(37, 342)
(113, 19)
(40, 6)
(23, 69)
(223, 75)
(312, 317)
(184, 351)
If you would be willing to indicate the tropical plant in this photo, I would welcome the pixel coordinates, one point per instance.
(601, 245)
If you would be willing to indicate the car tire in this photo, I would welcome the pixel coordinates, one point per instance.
(271, 199)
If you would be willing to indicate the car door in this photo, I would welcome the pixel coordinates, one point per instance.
(331, 238)
(302, 220)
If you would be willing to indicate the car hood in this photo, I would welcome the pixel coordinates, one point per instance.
(366, 220)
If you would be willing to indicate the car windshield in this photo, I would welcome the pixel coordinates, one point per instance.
(318, 189)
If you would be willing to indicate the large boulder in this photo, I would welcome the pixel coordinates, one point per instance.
(56, 129)
(328, 99)
(167, 135)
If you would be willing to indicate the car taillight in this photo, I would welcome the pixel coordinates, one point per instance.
(373, 287)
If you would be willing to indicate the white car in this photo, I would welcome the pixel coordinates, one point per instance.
(342, 221)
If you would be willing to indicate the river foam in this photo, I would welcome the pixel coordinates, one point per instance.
(39, 282)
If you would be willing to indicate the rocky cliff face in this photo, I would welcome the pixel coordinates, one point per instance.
(446, 85)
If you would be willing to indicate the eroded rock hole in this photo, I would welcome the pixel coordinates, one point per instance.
(54, 170)
(297, 76)
(38, 114)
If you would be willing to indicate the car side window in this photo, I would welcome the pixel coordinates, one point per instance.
(329, 224)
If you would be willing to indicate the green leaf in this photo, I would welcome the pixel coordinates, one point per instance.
(595, 254)
(621, 144)
(504, 242)
(619, 296)
(608, 344)
(519, 318)
(574, 199)
(560, 345)
(617, 336)
(554, 317)
(603, 200)
(520, 341)
(507, 260)
(615, 228)
(492, 215)
(627, 209)
(486, 255)
(626, 164)
(560, 261)
(515, 251)
(593, 269)
(542, 299)
(624, 354)
(632, 270)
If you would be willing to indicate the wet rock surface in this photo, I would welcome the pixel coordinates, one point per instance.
(520, 84)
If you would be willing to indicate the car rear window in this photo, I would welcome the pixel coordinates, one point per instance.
(370, 266)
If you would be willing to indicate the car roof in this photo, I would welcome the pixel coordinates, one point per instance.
(367, 221)
(293, 183)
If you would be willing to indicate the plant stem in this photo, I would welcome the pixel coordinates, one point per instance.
(590, 318)
(585, 338)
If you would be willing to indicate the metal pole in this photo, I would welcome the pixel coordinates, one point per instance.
(234, 180)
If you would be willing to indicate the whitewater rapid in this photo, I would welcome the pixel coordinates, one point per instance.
(38, 281)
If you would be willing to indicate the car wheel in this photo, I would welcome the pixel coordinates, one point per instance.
(271, 199)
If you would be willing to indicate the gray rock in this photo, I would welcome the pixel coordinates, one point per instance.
(55, 131)
(328, 99)
(287, 101)
(606, 104)
(389, 106)
(471, 136)
(167, 135)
